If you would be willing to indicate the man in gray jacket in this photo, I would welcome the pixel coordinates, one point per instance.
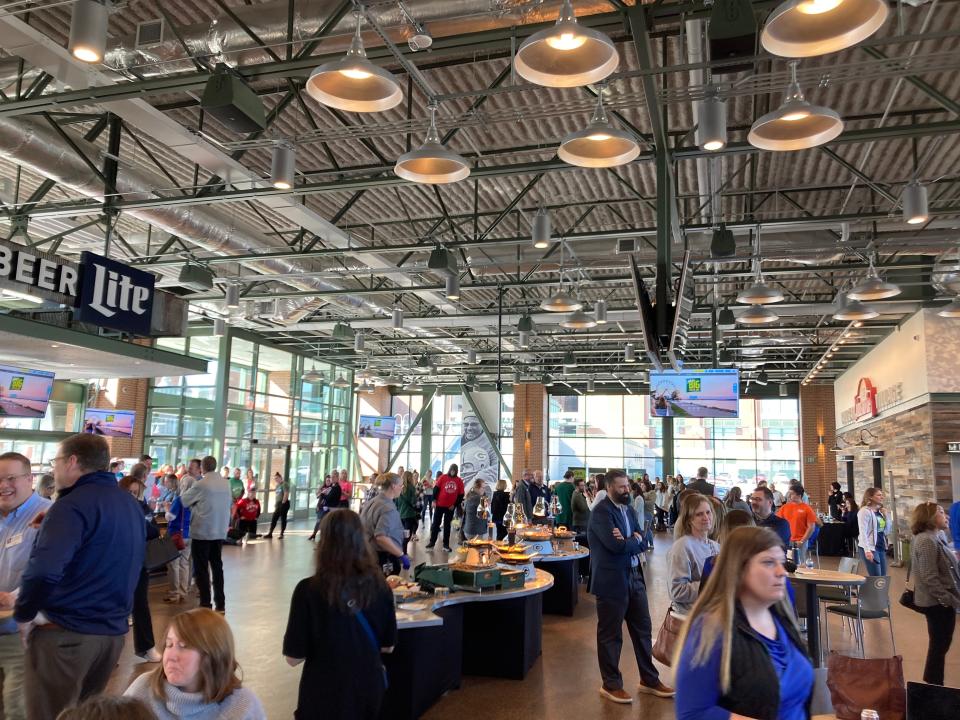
(209, 501)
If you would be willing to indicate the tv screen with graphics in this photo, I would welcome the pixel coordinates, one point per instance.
(695, 393)
(110, 423)
(24, 393)
(376, 426)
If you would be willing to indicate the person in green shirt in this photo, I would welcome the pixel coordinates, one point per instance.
(407, 505)
(564, 491)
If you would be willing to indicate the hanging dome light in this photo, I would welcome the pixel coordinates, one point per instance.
(541, 229)
(759, 294)
(340, 382)
(561, 302)
(796, 124)
(726, 318)
(873, 288)
(712, 124)
(354, 83)
(915, 205)
(568, 360)
(805, 28)
(313, 376)
(600, 144)
(578, 320)
(567, 54)
(757, 315)
(850, 310)
(952, 310)
(432, 163)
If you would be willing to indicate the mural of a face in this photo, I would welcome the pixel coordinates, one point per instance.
(471, 428)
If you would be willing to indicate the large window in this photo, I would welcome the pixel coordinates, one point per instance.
(601, 432)
(405, 410)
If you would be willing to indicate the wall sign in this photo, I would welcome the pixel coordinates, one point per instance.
(104, 292)
(114, 295)
(870, 402)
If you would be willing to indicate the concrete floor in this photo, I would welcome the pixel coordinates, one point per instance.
(260, 578)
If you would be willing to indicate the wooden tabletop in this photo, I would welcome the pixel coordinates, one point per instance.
(826, 577)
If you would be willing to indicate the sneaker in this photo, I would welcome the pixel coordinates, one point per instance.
(268, 536)
(312, 538)
(446, 549)
(660, 690)
(618, 696)
(431, 546)
(173, 599)
(281, 536)
(150, 656)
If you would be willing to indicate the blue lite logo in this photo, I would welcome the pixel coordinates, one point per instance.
(115, 295)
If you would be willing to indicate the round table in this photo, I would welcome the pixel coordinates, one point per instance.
(810, 578)
(562, 598)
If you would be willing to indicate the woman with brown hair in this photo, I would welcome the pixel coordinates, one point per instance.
(691, 548)
(936, 580)
(740, 654)
(198, 676)
(342, 617)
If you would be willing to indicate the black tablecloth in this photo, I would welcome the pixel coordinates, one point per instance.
(831, 540)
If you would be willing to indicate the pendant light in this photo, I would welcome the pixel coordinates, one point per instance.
(567, 54)
(524, 328)
(757, 315)
(396, 320)
(452, 287)
(313, 376)
(232, 299)
(873, 288)
(471, 356)
(853, 310)
(726, 318)
(283, 163)
(712, 124)
(629, 353)
(88, 30)
(600, 144)
(591, 386)
(796, 124)
(340, 382)
(805, 28)
(524, 339)
(952, 310)
(219, 327)
(432, 163)
(600, 312)
(354, 83)
(915, 206)
(358, 342)
(561, 302)
(759, 293)
(541, 229)
(578, 320)
(568, 360)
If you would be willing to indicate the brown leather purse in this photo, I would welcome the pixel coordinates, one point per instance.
(666, 642)
(859, 683)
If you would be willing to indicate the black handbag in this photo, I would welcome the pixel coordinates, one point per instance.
(908, 598)
(160, 551)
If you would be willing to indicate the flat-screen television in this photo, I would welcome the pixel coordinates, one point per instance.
(24, 393)
(110, 423)
(695, 393)
(381, 427)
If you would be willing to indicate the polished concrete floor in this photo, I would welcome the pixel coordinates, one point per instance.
(261, 575)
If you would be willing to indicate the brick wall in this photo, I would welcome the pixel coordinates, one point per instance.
(125, 394)
(818, 464)
(529, 428)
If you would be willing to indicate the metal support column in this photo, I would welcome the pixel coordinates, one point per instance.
(667, 444)
(426, 437)
(220, 403)
(483, 426)
(427, 402)
(111, 163)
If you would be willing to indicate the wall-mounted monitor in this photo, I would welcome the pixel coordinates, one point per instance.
(377, 426)
(24, 393)
(109, 423)
(695, 393)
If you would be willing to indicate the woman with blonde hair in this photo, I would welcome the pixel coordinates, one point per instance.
(198, 677)
(691, 548)
(936, 580)
(740, 654)
(407, 505)
(872, 539)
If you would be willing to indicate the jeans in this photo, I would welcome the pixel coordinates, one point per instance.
(941, 622)
(444, 515)
(280, 513)
(207, 557)
(611, 612)
(11, 665)
(180, 572)
(142, 622)
(876, 567)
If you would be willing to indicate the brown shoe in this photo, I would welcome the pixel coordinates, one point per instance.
(618, 696)
(660, 690)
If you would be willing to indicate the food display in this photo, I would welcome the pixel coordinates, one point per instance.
(516, 558)
(536, 533)
(478, 543)
(563, 534)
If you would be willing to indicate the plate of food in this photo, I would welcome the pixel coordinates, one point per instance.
(517, 558)
(478, 543)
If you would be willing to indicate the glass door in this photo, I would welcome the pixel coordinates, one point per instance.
(268, 460)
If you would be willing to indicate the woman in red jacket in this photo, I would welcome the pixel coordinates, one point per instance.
(449, 497)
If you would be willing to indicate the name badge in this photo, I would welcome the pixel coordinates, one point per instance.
(14, 540)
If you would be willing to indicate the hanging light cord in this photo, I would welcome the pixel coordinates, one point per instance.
(408, 66)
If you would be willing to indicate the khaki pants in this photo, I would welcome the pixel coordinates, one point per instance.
(11, 667)
(181, 572)
(63, 668)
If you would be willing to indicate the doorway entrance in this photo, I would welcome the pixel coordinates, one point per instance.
(266, 461)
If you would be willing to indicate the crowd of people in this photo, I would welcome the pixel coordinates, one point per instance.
(73, 572)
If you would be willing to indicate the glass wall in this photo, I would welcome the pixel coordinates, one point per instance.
(274, 421)
(600, 432)
(404, 411)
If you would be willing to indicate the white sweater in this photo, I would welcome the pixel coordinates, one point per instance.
(241, 704)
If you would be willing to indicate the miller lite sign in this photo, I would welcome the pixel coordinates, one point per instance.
(114, 295)
(865, 402)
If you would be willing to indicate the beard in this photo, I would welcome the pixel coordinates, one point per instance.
(623, 498)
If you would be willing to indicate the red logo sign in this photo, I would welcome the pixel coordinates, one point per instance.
(865, 402)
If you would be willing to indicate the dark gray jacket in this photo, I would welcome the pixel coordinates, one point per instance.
(933, 567)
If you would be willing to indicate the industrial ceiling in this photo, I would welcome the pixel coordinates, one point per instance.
(118, 156)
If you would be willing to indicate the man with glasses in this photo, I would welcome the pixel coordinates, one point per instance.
(76, 592)
(19, 507)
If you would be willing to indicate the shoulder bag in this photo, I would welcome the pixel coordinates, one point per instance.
(907, 597)
(371, 636)
(160, 551)
(858, 683)
(664, 647)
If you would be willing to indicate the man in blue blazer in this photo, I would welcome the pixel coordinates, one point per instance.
(617, 581)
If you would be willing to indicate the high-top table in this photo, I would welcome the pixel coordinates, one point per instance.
(810, 578)
(562, 598)
(493, 633)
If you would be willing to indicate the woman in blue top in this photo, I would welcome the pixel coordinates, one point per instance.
(740, 652)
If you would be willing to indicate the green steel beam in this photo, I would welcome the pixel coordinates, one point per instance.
(426, 438)
(427, 402)
(220, 402)
(922, 85)
(486, 431)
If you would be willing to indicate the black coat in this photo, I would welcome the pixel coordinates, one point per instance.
(498, 506)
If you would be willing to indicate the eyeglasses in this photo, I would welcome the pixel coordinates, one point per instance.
(12, 479)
